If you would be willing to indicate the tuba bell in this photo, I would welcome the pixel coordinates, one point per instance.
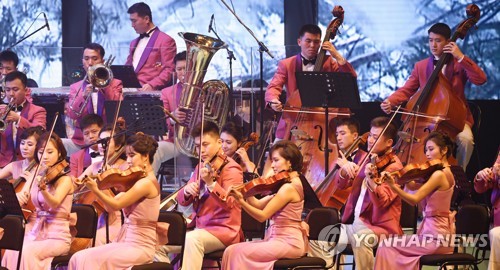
(199, 51)
(99, 76)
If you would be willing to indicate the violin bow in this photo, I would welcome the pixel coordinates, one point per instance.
(56, 116)
(112, 133)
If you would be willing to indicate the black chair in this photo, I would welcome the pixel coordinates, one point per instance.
(318, 219)
(13, 237)
(471, 220)
(176, 237)
(86, 226)
(251, 229)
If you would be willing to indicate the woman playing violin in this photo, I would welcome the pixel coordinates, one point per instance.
(52, 194)
(136, 241)
(232, 138)
(486, 179)
(435, 196)
(287, 235)
(115, 159)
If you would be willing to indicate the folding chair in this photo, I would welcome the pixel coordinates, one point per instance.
(13, 237)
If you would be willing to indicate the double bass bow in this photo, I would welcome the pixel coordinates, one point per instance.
(435, 106)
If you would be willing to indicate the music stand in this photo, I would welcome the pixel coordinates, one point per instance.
(140, 115)
(9, 204)
(126, 74)
(328, 89)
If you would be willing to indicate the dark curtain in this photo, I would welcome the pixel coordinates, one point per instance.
(298, 13)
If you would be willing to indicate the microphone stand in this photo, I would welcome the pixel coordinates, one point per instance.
(262, 49)
(26, 37)
(230, 56)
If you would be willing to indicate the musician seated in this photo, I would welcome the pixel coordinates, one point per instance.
(218, 221)
(91, 125)
(435, 195)
(347, 133)
(232, 139)
(137, 239)
(8, 63)
(287, 235)
(86, 99)
(115, 160)
(171, 95)
(51, 194)
(486, 179)
(20, 115)
(371, 210)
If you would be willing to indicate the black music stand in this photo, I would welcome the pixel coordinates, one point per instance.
(9, 205)
(328, 90)
(126, 74)
(140, 115)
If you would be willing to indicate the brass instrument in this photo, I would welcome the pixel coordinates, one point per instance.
(3, 123)
(200, 49)
(2, 87)
(99, 76)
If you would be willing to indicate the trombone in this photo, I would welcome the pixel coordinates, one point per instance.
(99, 76)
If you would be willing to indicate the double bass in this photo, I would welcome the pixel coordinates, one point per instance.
(306, 127)
(435, 106)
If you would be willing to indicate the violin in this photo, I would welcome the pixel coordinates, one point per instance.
(52, 173)
(414, 172)
(380, 163)
(264, 186)
(123, 179)
(217, 163)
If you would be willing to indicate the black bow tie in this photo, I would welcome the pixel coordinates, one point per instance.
(147, 34)
(435, 61)
(307, 62)
(18, 108)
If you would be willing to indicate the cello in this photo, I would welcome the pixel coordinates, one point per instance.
(434, 107)
(306, 127)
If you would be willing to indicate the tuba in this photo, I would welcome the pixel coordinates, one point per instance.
(200, 49)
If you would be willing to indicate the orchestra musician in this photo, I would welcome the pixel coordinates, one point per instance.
(287, 235)
(137, 239)
(232, 138)
(152, 53)
(8, 63)
(371, 210)
(116, 159)
(310, 42)
(218, 221)
(50, 233)
(486, 179)
(91, 125)
(22, 115)
(93, 54)
(458, 71)
(435, 195)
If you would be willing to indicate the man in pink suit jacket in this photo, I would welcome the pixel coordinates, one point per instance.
(171, 95)
(489, 178)
(458, 71)
(309, 41)
(152, 52)
(218, 218)
(22, 116)
(371, 210)
(93, 54)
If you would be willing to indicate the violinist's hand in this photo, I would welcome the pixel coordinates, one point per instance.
(235, 192)
(276, 105)
(42, 185)
(371, 171)
(386, 106)
(206, 174)
(91, 184)
(484, 175)
(388, 178)
(452, 48)
(192, 189)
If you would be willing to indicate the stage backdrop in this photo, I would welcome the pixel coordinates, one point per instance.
(382, 39)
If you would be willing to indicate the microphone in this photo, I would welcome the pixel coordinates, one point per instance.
(46, 21)
(211, 22)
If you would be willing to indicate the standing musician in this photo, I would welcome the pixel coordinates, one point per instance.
(19, 115)
(218, 222)
(371, 210)
(150, 54)
(116, 160)
(93, 54)
(486, 179)
(91, 126)
(137, 239)
(232, 138)
(458, 71)
(435, 196)
(52, 194)
(309, 41)
(287, 234)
